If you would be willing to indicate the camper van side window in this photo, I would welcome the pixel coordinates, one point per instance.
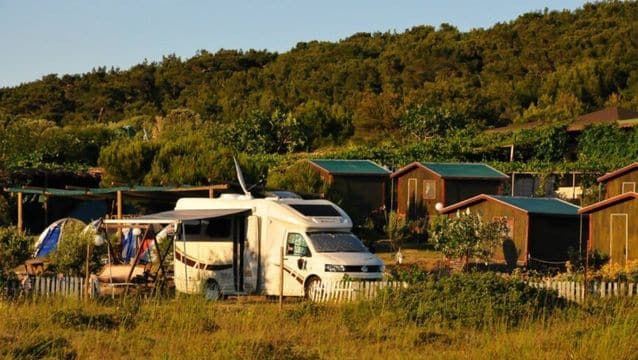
(296, 245)
(219, 228)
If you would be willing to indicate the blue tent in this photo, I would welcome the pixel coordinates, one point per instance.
(50, 237)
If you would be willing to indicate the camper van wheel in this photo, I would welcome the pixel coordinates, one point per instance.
(311, 283)
(212, 291)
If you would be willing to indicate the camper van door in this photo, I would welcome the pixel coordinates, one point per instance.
(296, 257)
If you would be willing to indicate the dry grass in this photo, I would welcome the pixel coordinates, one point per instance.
(190, 328)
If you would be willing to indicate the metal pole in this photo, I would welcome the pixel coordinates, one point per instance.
(86, 271)
(281, 278)
(119, 213)
(20, 213)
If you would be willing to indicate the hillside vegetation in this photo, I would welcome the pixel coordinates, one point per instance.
(423, 94)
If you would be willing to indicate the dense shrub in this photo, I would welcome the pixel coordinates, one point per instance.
(475, 300)
(70, 255)
(15, 248)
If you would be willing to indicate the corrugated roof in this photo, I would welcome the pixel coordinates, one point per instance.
(350, 167)
(546, 206)
(551, 206)
(464, 170)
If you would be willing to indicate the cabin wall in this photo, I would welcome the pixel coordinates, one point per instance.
(359, 196)
(461, 189)
(614, 231)
(514, 251)
(615, 186)
(413, 200)
(551, 238)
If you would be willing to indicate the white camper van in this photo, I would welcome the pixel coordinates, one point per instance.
(232, 245)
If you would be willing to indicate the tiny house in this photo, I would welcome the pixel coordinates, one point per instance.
(359, 184)
(620, 181)
(420, 186)
(541, 230)
(613, 227)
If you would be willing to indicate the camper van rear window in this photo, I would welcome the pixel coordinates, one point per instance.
(315, 210)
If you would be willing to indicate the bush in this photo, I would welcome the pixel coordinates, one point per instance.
(70, 255)
(474, 300)
(15, 248)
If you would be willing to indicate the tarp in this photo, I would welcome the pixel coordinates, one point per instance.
(50, 237)
(172, 216)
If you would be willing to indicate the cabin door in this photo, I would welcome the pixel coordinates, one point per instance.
(618, 239)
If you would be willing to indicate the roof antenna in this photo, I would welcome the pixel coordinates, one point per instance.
(240, 178)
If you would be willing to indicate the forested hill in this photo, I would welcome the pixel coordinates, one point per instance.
(543, 65)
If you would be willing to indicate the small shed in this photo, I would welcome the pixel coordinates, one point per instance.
(542, 230)
(620, 181)
(420, 186)
(360, 185)
(613, 227)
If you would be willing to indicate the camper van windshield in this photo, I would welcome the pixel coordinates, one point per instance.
(336, 242)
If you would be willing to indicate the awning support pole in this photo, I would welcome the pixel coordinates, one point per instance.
(20, 213)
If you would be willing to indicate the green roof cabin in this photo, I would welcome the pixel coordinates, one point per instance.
(541, 230)
(420, 186)
(620, 181)
(359, 185)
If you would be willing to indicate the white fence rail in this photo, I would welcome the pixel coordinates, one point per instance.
(49, 286)
(577, 291)
(344, 291)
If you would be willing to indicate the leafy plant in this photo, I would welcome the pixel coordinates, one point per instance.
(467, 236)
(70, 255)
(15, 248)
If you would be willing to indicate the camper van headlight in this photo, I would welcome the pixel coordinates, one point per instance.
(335, 268)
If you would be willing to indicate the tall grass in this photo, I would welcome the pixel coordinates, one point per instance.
(191, 328)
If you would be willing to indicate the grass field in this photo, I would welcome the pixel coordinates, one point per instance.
(191, 328)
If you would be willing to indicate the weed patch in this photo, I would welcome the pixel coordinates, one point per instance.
(42, 347)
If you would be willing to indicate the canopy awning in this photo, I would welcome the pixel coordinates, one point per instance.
(177, 216)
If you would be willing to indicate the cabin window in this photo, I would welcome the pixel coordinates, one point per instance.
(628, 187)
(296, 245)
(429, 189)
(192, 228)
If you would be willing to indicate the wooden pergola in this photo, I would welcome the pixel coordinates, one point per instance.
(167, 193)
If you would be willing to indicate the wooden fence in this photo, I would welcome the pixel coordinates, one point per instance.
(577, 291)
(344, 291)
(48, 286)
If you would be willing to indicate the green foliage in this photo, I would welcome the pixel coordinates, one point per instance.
(396, 229)
(422, 122)
(300, 177)
(467, 236)
(127, 160)
(70, 255)
(608, 146)
(474, 300)
(15, 248)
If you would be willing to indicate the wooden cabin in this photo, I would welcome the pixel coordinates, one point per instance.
(359, 185)
(613, 227)
(620, 181)
(420, 186)
(542, 230)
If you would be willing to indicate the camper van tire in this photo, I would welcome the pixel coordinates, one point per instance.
(212, 291)
(311, 283)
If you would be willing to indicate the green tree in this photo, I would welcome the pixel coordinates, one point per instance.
(467, 236)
